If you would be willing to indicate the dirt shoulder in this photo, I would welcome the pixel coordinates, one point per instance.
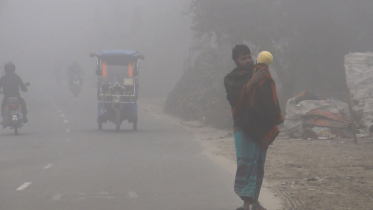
(307, 175)
(323, 174)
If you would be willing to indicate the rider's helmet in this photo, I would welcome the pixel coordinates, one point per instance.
(10, 68)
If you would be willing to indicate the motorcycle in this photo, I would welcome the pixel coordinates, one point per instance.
(12, 114)
(76, 86)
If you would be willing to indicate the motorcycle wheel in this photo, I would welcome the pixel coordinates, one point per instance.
(15, 130)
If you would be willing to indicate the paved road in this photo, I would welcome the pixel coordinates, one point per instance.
(61, 161)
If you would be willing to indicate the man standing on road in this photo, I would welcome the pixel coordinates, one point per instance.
(256, 114)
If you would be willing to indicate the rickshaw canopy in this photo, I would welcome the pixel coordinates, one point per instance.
(118, 57)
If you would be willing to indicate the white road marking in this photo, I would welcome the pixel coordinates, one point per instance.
(67, 130)
(57, 197)
(24, 186)
(48, 166)
(66, 121)
(133, 194)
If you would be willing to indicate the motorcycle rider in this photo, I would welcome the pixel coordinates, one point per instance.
(75, 70)
(10, 83)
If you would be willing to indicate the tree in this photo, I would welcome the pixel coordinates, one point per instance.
(308, 38)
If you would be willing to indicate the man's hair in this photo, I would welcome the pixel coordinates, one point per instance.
(240, 49)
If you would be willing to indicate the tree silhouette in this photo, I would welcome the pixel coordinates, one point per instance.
(308, 38)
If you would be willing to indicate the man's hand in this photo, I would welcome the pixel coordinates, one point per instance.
(258, 75)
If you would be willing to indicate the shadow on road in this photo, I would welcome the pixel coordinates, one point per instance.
(8, 132)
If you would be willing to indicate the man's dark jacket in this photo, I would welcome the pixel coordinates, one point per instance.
(10, 83)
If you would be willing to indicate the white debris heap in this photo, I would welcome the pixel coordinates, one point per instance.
(359, 76)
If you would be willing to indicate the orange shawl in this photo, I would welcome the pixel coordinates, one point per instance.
(260, 110)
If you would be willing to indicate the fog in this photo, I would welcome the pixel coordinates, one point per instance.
(37, 34)
(90, 148)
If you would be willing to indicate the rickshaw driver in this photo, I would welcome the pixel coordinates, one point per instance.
(113, 75)
(11, 83)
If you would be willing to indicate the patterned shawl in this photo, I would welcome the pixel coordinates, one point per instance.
(258, 111)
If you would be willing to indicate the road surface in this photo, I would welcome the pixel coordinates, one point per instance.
(61, 161)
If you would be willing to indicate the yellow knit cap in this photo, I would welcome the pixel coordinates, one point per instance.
(265, 57)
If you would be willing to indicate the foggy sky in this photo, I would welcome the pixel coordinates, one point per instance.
(34, 34)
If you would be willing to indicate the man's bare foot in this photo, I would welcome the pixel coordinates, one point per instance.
(257, 206)
(244, 208)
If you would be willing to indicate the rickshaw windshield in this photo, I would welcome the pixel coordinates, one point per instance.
(113, 74)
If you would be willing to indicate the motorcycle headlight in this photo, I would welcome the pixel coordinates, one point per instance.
(116, 98)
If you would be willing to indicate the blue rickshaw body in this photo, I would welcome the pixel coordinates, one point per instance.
(117, 89)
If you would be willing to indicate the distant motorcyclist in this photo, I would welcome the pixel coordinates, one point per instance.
(75, 70)
(11, 83)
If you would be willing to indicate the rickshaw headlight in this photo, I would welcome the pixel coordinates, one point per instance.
(128, 81)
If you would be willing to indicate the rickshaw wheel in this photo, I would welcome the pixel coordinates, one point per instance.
(135, 123)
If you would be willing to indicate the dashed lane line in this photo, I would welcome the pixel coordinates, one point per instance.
(24, 186)
(48, 166)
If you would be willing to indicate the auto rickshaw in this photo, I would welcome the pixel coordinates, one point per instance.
(117, 90)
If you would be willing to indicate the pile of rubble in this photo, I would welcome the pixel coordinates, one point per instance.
(308, 117)
(359, 76)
